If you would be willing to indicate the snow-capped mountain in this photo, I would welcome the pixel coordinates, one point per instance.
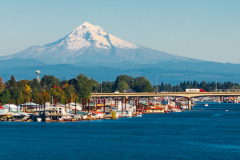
(91, 44)
(87, 35)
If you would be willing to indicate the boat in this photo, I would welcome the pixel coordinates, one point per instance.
(139, 115)
(226, 110)
(39, 119)
(206, 105)
(178, 110)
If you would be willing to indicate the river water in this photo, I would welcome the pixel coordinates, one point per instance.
(203, 133)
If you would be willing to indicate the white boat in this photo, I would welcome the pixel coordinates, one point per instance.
(226, 110)
(39, 119)
(139, 115)
(206, 105)
(178, 110)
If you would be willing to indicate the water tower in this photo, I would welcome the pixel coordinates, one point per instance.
(38, 72)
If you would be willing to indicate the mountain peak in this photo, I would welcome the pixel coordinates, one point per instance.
(87, 35)
(86, 24)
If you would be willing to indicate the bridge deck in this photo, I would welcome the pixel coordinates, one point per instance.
(163, 94)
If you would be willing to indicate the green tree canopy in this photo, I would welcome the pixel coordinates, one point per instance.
(122, 85)
(48, 82)
(83, 86)
(107, 87)
(12, 82)
(141, 84)
(36, 84)
(96, 87)
(6, 96)
(123, 82)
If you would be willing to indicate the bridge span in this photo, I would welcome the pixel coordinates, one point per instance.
(188, 95)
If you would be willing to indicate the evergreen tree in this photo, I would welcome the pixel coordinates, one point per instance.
(35, 84)
(6, 96)
(12, 82)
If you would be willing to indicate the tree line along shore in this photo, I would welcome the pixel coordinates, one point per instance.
(49, 87)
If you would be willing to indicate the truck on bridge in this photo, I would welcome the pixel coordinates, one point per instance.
(195, 90)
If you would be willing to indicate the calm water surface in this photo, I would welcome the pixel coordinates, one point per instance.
(203, 133)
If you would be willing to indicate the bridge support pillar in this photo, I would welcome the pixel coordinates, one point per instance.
(189, 103)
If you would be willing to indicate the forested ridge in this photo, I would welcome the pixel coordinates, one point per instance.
(82, 87)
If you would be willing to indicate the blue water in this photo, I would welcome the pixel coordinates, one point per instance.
(203, 133)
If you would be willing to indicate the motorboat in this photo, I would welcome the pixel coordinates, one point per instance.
(39, 119)
(226, 110)
(206, 105)
(178, 110)
(139, 115)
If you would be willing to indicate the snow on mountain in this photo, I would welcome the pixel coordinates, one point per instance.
(86, 35)
(90, 43)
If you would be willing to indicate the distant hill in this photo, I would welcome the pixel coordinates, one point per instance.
(168, 72)
(17, 62)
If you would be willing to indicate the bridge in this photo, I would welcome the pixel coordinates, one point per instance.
(188, 95)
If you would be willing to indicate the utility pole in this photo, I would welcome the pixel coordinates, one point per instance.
(157, 83)
(216, 85)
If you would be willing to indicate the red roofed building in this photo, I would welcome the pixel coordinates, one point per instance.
(2, 110)
(97, 114)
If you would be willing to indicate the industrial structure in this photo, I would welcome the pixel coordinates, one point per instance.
(38, 72)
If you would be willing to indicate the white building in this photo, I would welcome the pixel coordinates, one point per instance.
(125, 113)
(72, 106)
(11, 107)
(3, 110)
(53, 113)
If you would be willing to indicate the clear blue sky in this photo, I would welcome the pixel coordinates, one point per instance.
(202, 29)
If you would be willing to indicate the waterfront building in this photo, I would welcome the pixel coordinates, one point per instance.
(129, 91)
(11, 108)
(53, 112)
(98, 115)
(125, 113)
(28, 107)
(3, 110)
(84, 115)
(72, 106)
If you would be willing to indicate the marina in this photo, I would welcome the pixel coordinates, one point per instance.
(99, 108)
